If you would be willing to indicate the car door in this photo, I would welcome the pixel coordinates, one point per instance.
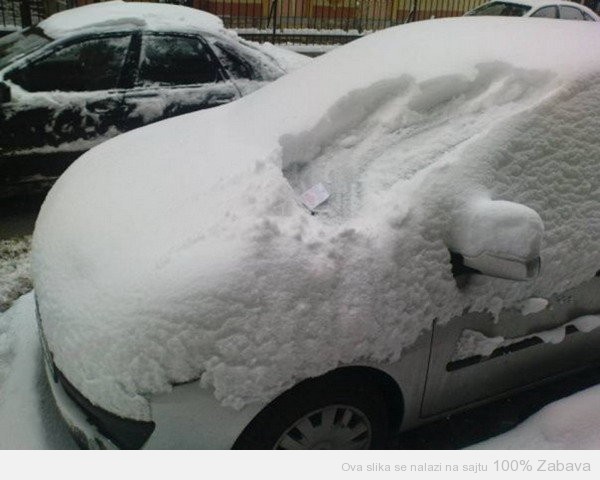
(475, 356)
(177, 73)
(66, 99)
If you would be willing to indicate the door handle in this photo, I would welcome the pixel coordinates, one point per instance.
(141, 95)
(103, 106)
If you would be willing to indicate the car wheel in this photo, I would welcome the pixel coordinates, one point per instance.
(320, 415)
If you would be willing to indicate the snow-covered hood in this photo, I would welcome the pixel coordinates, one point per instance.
(180, 250)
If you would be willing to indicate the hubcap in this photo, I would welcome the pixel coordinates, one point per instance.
(334, 427)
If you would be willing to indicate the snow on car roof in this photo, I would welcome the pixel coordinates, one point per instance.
(129, 14)
(182, 250)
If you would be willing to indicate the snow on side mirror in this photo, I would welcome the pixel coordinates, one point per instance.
(498, 238)
(5, 95)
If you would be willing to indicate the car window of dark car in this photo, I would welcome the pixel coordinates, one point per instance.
(505, 9)
(235, 65)
(546, 12)
(175, 60)
(18, 44)
(570, 13)
(88, 65)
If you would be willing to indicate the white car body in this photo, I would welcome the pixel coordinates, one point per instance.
(449, 254)
(537, 7)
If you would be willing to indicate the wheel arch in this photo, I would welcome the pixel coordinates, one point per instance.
(388, 386)
(367, 376)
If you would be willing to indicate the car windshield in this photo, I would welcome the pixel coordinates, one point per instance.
(504, 9)
(18, 44)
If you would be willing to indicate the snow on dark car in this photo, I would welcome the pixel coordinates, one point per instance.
(87, 74)
(393, 238)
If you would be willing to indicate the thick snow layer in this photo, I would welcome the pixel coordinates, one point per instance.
(472, 343)
(181, 250)
(29, 419)
(129, 14)
(476, 227)
(28, 416)
(532, 305)
(572, 423)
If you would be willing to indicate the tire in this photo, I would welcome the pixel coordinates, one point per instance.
(329, 412)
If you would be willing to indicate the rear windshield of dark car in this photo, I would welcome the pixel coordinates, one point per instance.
(18, 44)
(504, 9)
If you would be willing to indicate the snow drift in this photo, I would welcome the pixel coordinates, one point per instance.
(571, 423)
(180, 250)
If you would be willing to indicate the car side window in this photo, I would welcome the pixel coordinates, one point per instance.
(235, 65)
(571, 13)
(546, 12)
(88, 65)
(175, 60)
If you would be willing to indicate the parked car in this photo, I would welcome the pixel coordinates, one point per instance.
(87, 74)
(368, 244)
(559, 9)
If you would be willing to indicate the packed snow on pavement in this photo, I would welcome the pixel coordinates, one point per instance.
(28, 416)
(572, 423)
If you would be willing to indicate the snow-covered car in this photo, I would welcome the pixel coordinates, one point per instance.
(558, 9)
(369, 243)
(87, 74)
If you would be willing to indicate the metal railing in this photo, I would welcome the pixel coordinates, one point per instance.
(302, 21)
(326, 21)
(323, 21)
(16, 14)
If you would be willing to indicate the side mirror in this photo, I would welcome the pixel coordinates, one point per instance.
(5, 95)
(498, 238)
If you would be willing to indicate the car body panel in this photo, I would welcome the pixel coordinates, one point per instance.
(393, 329)
(535, 8)
(452, 384)
(209, 425)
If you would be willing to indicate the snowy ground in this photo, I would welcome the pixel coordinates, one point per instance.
(28, 417)
(570, 423)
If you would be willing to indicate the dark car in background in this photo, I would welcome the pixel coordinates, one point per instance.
(85, 75)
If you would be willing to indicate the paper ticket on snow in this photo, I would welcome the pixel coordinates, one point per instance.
(314, 196)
